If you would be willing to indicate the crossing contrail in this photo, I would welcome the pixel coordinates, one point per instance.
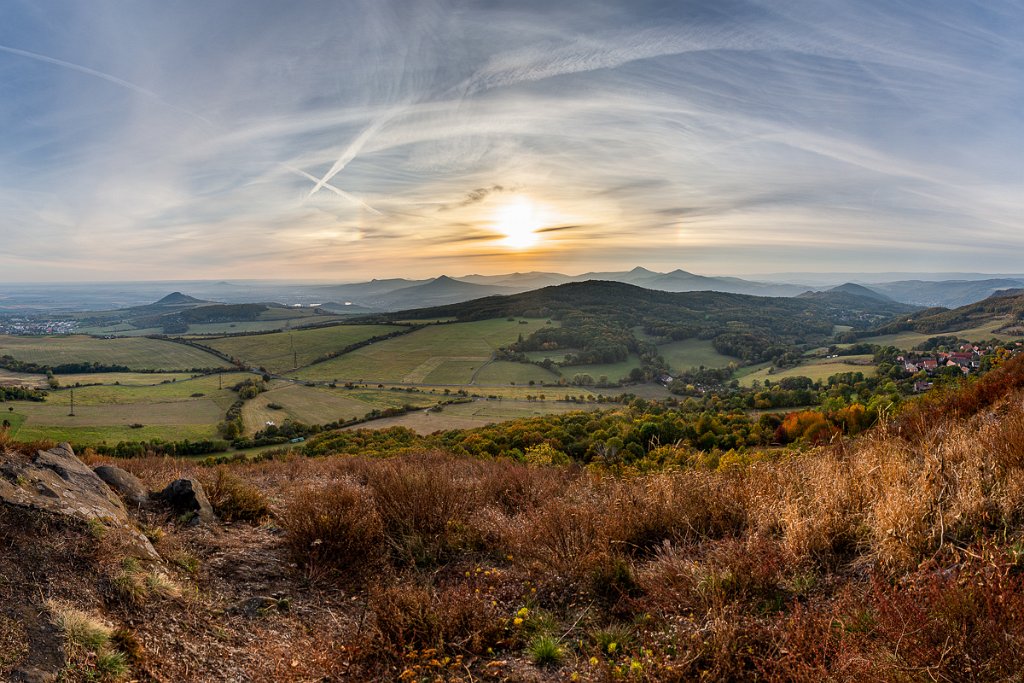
(326, 185)
(353, 149)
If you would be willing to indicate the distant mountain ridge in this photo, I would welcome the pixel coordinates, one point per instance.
(380, 294)
(402, 294)
(945, 293)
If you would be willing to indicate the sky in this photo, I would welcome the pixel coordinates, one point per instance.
(351, 139)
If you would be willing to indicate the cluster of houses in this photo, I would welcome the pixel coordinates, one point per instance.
(30, 326)
(967, 359)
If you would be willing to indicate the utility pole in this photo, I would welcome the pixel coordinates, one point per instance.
(220, 380)
(72, 413)
(291, 340)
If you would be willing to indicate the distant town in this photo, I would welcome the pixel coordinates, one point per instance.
(28, 326)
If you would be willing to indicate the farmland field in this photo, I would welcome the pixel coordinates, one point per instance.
(613, 371)
(908, 340)
(447, 354)
(134, 352)
(320, 405)
(477, 414)
(125, 378)
(278, 352)
(207, 385)
(188, 409)
(504, 372)
(692, 353)
(817, 369)
(22, 379)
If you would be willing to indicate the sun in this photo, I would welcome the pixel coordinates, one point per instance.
(519, 219)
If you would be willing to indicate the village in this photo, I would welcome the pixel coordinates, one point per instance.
(967, 359)
(30, 326)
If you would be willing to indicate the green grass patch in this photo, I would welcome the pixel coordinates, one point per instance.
(504, 372)
(289, 350)
(478, 414)
(413, 357)
(134, 352)
(613, 371)
(693, 353)
(908, 340)
(135, 379)
(818, 369)
(310, 405)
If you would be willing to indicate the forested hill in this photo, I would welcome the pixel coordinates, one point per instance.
(598, 318)
(1006, 307)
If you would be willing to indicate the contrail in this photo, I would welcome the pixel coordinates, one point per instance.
(82, 69)
(353, 150)
(102, 75)
(326, 185)
(350, 153)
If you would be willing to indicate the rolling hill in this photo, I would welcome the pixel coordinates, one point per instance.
(599, 319)
(1006, 307)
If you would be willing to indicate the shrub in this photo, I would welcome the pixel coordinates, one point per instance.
(333, 529)
(421, 500)
(234, 499)
(565, 535)
(408, 616)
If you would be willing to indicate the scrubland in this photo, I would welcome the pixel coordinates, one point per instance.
(897, 555)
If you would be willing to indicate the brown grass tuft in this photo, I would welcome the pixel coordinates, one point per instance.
(333, 530)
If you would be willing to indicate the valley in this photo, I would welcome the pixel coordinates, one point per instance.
(567, 347)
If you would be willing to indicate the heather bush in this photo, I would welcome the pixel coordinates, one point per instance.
(235, 499)
(333, 530)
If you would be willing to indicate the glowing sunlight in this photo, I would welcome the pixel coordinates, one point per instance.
(519, 219)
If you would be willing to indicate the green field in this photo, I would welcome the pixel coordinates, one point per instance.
(186, 409)
(908, 340)
(279, 352)
(504, 372)
(478, 413)
(446, 354)
(320, 405)
(208, 385)
(613, 371)
(693, 353)
(135, 353)
(126, 378)
(817, 369)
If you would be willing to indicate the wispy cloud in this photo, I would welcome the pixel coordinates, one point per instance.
(377, 137)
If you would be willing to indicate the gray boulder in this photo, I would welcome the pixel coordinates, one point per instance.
(125, 484)
(187, 495)
(57, 482)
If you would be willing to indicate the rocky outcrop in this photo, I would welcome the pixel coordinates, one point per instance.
(187, 496)
(57, 482)
(125, 484)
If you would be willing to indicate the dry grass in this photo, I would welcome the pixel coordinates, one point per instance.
(235, 499)
(333, 530)
(895, 556)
